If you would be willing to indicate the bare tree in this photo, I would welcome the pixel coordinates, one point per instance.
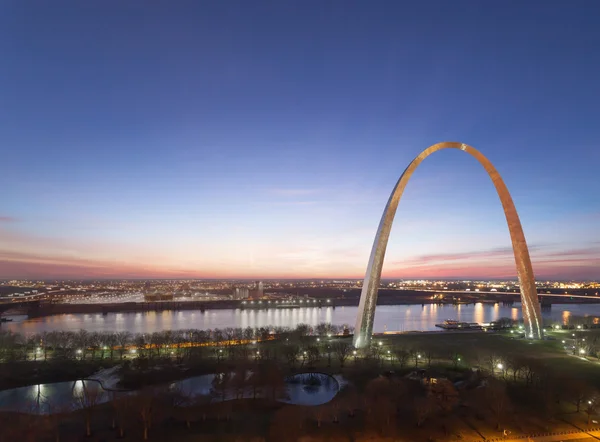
(455, 358)
(578, 391)
(110, 341)
(423, 407)
(291, 352)
(122, 339)
(220, 385)
(145, 402)
(319, 413)
(342, 351)
(591, 407)
(87, 399)
(286, 424)
(497, 399)
(401, 356)
(56, 413)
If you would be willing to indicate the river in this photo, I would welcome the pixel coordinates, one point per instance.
(387, 318)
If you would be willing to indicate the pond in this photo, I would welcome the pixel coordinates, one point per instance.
(302, 389)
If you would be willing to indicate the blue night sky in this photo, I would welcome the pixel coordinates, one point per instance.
(262, 138)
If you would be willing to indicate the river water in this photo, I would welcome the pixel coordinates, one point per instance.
(387, 318)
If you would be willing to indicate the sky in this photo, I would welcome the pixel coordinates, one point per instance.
(237, 139)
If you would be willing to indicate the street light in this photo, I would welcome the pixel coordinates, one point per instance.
(582, 351)
(380, 343)
(500, 366)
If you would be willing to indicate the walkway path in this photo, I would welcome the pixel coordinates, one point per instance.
(571, 437)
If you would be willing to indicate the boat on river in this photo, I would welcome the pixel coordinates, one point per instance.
(452, 324)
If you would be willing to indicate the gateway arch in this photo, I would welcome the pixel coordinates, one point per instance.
(368, 299)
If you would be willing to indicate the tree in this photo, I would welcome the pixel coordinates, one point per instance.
(82, 341)
(110, 340)
(291, 352)
(416, 356)
(401, 356)
(429, 357)
(515, 365)
(87, 399)
(123, 339)
(342, 351)
(455, 358)
(220, 385)
(578, 392)
(423, 406)
(319, 412)
(591, 407)
(273, 380)
(95, 342)
(146, 406)
(123, 405)
(286, 424)
(313, 355)
(497, 399)
(239, 382)
(380, 402)
(445, 395)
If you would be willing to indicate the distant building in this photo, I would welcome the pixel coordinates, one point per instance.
(241, 293)
(259, 289)
(151, 297)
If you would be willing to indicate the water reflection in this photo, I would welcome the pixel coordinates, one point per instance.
(300, 389)
(396, 317)
(479, 314)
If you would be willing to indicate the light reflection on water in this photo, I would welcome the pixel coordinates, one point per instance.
(387, 317)
(62, 396)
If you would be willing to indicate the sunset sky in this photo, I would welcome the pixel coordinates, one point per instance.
(261, 139)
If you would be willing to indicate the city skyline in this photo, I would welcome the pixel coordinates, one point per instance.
(213, 151)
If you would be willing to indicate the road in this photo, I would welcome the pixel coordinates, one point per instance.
(572, 437)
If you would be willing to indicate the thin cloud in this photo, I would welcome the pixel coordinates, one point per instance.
(444, 257)
(498, 263)
(7, 219)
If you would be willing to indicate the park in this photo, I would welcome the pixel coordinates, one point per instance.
(411, 386)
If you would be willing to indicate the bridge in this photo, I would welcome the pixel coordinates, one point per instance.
(27, 303)
(541, 295)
